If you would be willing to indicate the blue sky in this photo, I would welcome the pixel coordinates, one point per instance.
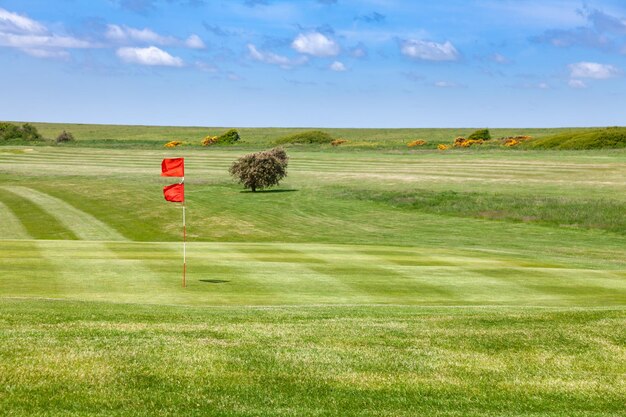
(325, 63)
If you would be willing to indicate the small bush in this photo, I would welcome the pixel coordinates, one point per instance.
(312, 136)
(228, 138)
(442, 147)
(209, 140)
(415, 143)
(261, 169)
(64, 137)
(461, 142)
(338, 142)
(482, 134)
(173, 144)
(12, 132)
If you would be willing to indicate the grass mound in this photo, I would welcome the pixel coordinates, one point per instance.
(612, 137)
(312, 136)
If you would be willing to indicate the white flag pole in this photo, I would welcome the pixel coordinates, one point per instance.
(184, 243)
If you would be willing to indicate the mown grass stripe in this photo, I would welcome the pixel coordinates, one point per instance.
(12, 227)
(98, 273)
(26, 272)
(37, 222)
(84, 225)
(304, 277)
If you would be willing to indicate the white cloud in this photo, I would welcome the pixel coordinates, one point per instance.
(274, 59)
(593, 70)
(151, 56)
(316, 44)
(15, 23)
(46, 53)
(203, 66)
(429, 51)
(194, 42)
(125, 34)
(359, 52)
(338, 66)
(41, 41)
(533, 12)
(447, 84)
(500, 59)
(577, 84)
(33, 38)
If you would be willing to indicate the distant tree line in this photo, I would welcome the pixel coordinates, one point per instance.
(12, 132)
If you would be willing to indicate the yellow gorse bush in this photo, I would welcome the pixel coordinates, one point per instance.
(442, 147)
(173, 144)
(418, 142)
(338, 142)
(209, 140)
(514, 140)
(461, 142)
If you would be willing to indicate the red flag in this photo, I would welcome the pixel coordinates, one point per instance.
(173, 167)
(174, 192)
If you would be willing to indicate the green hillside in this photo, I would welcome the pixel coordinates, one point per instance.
(609, 138)
(156, 136)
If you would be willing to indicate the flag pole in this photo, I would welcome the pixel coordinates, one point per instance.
(184, 243)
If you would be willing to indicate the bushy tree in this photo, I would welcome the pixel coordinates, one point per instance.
(261, 169)
(65, 137)
(482, 134)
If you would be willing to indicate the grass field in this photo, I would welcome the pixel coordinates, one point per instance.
(156, 136)
(371, 283)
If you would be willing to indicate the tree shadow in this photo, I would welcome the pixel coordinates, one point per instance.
(214, 281)
(268, 191)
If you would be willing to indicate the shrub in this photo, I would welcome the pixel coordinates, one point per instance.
(338, 142)
(461, 142)
(442, 147)
(64, 137)
(415, 143)
(173, 144)
(9, 131)
(231, 136)
(27, 132)
(482, 134)
(261, 169)
(209, 140)
(312, 136)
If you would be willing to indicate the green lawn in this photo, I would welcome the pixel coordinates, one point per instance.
(465, 283)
